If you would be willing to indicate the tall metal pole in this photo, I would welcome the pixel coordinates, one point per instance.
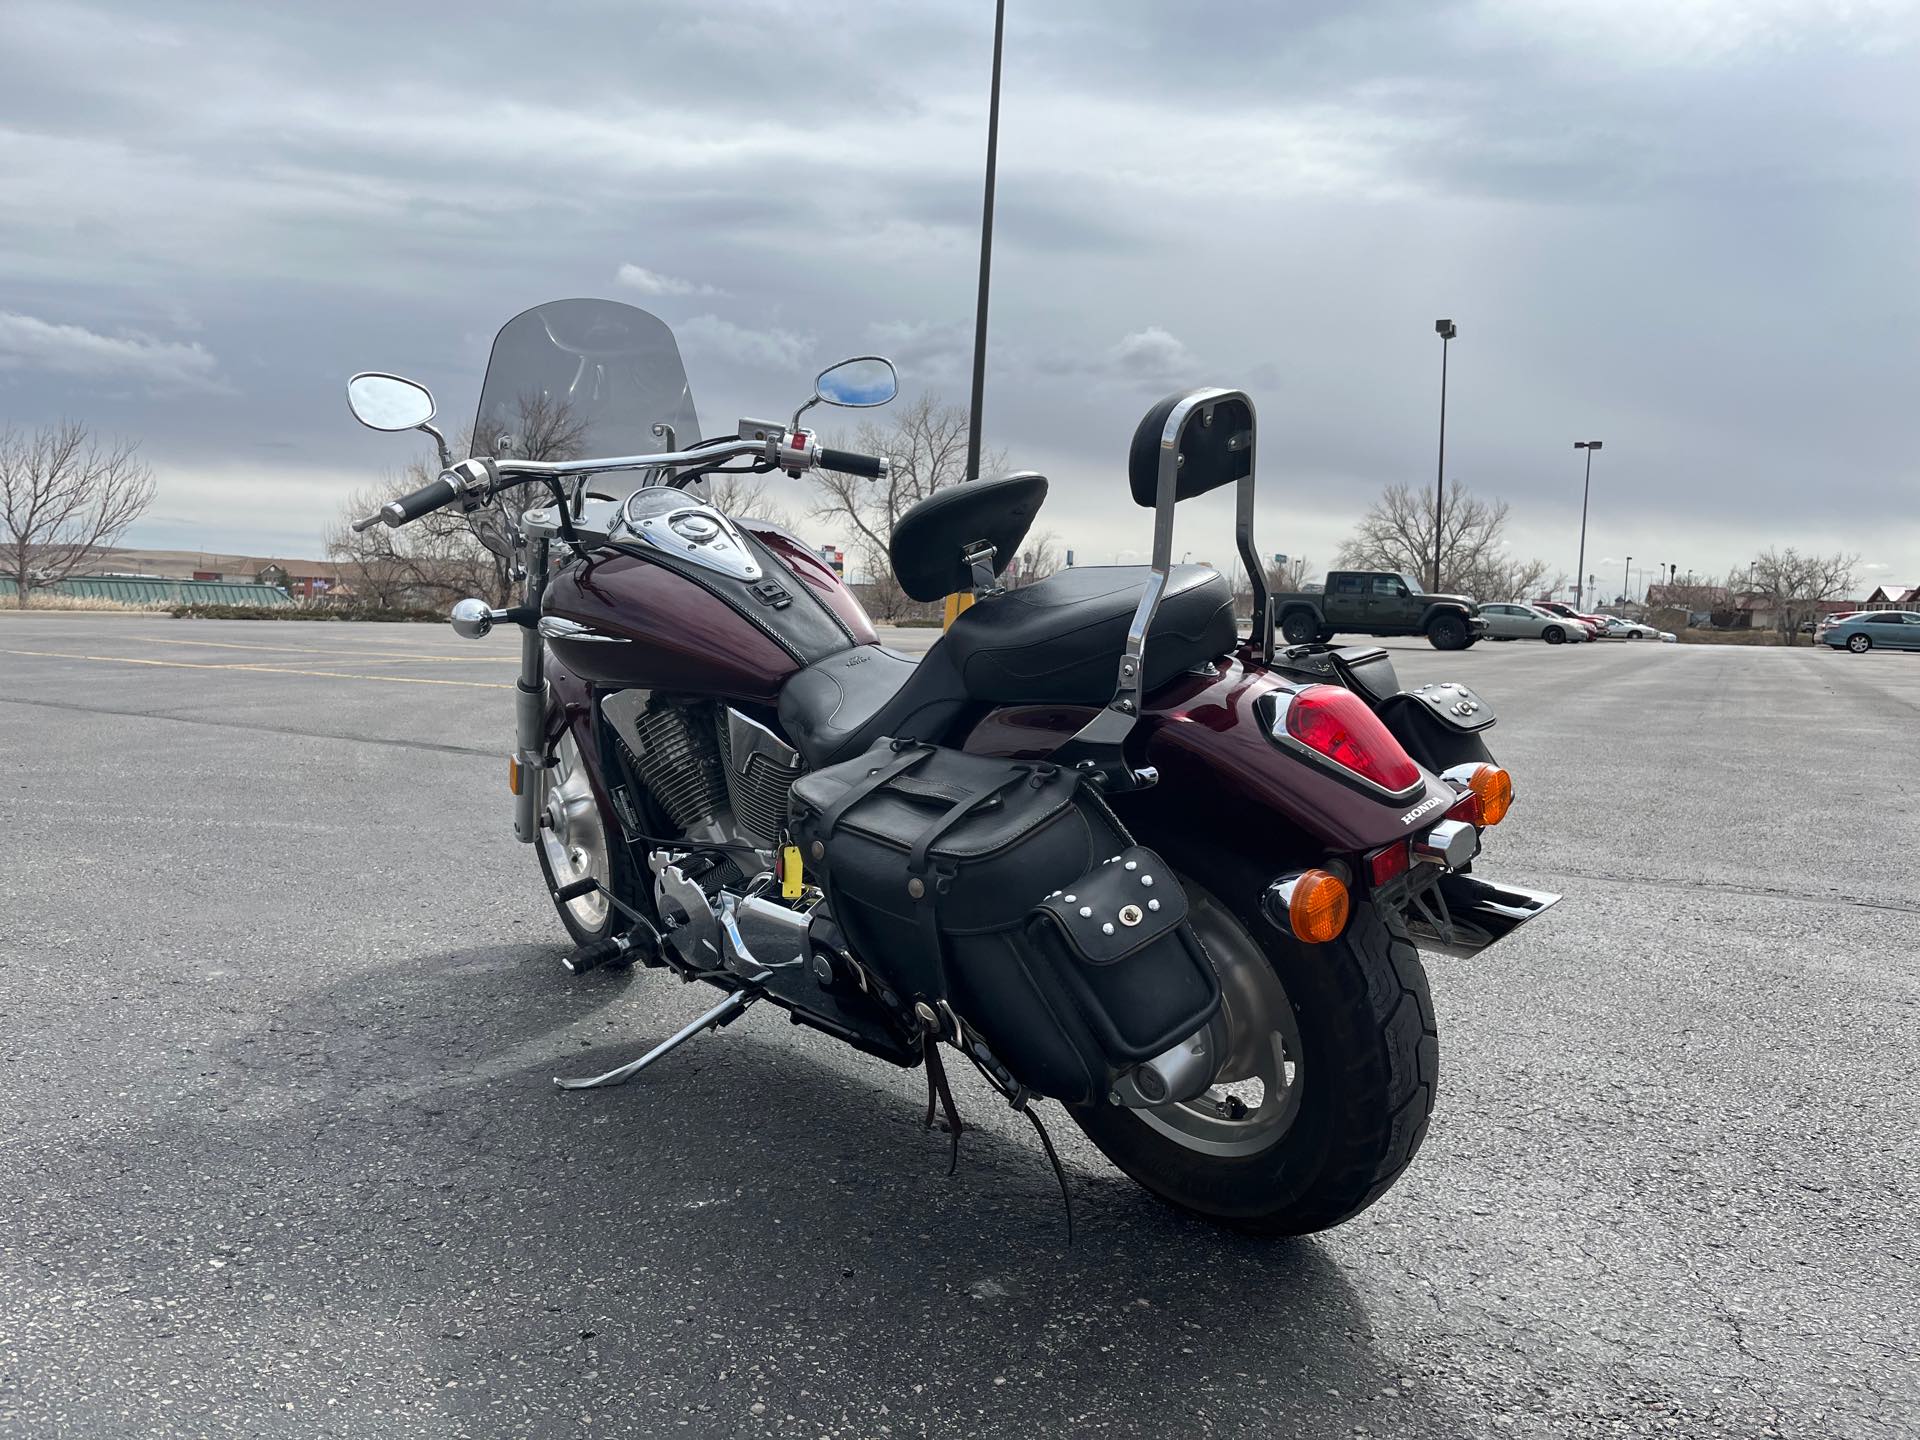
(1446, 329)
(1585, 490)
(1626, 581)
(986, 251)
(1589, 446)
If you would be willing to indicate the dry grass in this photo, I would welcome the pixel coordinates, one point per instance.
(42, 600)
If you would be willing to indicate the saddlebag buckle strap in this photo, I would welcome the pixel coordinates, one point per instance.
(958, 811)
(904, 759)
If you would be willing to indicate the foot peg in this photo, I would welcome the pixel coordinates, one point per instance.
(611, 951)
(721, 1014)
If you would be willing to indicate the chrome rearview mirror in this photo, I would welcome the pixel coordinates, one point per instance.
(858, 383)
(388, 402)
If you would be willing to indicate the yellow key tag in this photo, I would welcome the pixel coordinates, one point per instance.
(793, 877)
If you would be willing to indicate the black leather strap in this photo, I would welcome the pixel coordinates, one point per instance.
(958, 811)
(902, 762)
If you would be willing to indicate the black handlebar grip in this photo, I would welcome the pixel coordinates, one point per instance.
(849, 462)
(430, 496)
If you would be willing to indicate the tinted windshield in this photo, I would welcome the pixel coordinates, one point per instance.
(1414, 587)
(574, 379)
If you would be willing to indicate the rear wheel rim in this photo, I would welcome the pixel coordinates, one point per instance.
(1256, 1098)
(572, 835)
(1858, 643)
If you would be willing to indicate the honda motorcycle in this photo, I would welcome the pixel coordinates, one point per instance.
(722, 773)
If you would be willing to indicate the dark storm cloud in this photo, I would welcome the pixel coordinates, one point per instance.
(1689, 229)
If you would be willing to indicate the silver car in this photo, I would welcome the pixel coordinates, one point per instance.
(1510, 620)
(1870, 629)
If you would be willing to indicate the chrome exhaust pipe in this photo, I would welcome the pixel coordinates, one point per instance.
(1463, 914)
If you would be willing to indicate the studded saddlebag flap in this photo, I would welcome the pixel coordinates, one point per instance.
(1115, 951)
(934, 862)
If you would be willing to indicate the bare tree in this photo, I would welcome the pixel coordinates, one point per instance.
(925, 443)
(434, 560)
(543, 428)
(1292, 576)
(1398, 534)
(1796, 586)
(441, 557)
(65, 497)
(1040, 556)
(748, 497)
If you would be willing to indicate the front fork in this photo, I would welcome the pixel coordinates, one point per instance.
(530, 701)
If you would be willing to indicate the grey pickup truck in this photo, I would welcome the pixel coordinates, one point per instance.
(1377, 602)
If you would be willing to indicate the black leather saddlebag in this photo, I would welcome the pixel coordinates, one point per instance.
(950, 875)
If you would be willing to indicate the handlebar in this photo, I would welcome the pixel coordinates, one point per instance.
(848, 462)
(483, 478)
(411, 506)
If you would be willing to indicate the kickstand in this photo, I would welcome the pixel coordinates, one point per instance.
(726, 1010)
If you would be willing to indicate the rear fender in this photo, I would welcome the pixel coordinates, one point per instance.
(1441, 725)
(1218, 765)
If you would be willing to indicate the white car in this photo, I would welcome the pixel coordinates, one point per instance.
(1633, 630)
(1511, 620)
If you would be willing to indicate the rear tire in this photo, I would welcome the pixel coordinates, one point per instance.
(1859, 644)
(1298, 627)
(1447, 632)
(1361, 1086)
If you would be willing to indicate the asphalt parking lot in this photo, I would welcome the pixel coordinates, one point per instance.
(280, 997)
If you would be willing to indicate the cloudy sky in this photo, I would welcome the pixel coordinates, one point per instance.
(1690, 230)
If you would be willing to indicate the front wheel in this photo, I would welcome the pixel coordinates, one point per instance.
(1554, 635)
(1332, 1063)
(1447, 632)
(573, 844)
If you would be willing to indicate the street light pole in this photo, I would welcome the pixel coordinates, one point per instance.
(1626, 582)
(986, 250)
(1446, 330)
(1589, 446)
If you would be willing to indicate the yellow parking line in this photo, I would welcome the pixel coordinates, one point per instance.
(260, 669)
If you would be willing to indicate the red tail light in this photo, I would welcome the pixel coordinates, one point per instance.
(1388, 863)
(1336, 723)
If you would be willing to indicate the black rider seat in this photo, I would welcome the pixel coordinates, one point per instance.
(1055, 642)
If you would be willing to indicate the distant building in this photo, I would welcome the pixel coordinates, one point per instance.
(303, 579)
(1903, 597)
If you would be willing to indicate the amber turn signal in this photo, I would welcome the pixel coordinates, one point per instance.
(513, 773)
(1317, 908)
(1493, 788)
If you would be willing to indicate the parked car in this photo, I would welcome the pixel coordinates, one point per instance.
(1886, 629)
(1827, 622)
(1595, 623)
(1621, 629)
(1512, 620)
(1377, 602)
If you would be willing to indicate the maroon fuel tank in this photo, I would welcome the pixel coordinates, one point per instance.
(658, 631)
(817, 576)
(647, 626)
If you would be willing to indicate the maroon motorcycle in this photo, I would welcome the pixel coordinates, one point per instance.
(1103, 840)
